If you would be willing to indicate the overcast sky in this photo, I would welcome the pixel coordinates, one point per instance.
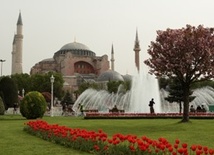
(50, 24)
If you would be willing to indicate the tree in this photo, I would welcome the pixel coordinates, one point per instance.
(47, 96)
(68, 98)
(23, 81)
(127, 85)
(42, 83)
(187, 54)
(2, 109)
(203, 84)
(163, 82)
(176, 93)
(114, 85)
(8, 92)
(86, 85)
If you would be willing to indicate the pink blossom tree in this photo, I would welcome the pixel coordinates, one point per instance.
(187, 54)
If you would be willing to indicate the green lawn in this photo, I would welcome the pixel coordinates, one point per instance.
(14, 141)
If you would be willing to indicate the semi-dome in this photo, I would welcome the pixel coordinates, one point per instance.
(127, 77)
(74, 46)
(110, 75)
(48, 60)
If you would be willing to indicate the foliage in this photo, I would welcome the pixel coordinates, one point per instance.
(37, 79)
(119, 86)
(186, 53)
(86, 85)
(201, 84)
(163, 82)
(8, 92)
(2, 108)
(33, 105)
(47, 96)
(68, 98)
(39, 82)
(100, 143)
(176, 93)
(113, 86)
(23, 81)
(127, 85)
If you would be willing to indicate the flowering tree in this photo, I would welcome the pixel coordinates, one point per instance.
(187, 54)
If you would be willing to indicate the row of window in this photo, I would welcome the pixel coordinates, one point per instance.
(83, 66)
(80, 52)
(84, 71)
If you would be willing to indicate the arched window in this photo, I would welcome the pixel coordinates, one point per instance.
(83, 67)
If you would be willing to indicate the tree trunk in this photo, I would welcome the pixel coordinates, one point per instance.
(180, 107)
(186, 105)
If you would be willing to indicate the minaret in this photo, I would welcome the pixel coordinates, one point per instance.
(137, 52)
(17, 48)
(13, 55)
(112, 58)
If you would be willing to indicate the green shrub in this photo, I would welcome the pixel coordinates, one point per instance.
(33, 105)
(8, 92)
(2, 108)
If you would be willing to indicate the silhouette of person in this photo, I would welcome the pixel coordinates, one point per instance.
(64, 106)
(114, 109)
(151, 103)
(192, 109)
(198, 109)
(15, 106)
(203, 108)
(81, 109)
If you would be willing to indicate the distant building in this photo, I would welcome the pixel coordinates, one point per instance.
(76, 62)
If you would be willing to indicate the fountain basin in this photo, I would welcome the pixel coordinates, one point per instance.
(119, 115)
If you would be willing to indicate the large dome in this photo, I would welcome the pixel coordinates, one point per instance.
(76, 49)
(74, 46)
(110, 75)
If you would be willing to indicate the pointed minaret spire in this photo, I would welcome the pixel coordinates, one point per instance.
(137, 50)
(19, 22)
(14, 39)
(136, 38)
(112, 57)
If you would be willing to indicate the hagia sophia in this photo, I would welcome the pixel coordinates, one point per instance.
(75, 61)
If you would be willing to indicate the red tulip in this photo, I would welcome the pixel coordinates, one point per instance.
(177, 141)
(193, 147)
(184, 145)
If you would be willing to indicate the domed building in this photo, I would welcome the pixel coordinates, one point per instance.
(110, 75)
(127, 77)
(76, 62)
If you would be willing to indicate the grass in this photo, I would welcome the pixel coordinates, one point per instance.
(14, 141)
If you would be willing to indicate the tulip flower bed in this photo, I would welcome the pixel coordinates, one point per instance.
(99, 143)
(117, 115)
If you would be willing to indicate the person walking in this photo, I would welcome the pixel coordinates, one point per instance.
(80, 107)
(151, 103)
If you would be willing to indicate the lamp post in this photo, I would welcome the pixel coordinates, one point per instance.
(23, 92)
(2, 64)
(52, 81)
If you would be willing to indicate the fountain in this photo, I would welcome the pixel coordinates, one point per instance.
(204, 96)
(144, 87)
